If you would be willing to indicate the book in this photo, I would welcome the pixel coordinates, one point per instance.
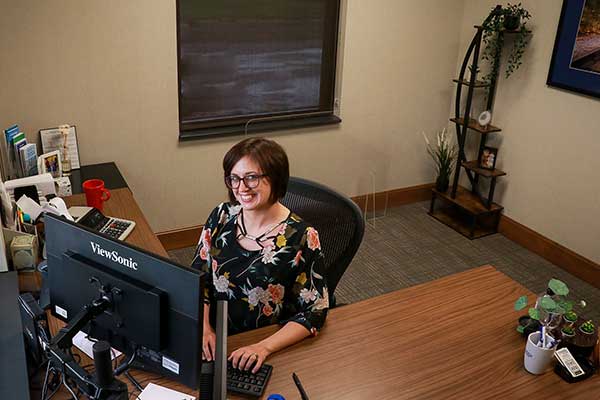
(17, 146)
(28, 156)
(52, 139)
(8, 171)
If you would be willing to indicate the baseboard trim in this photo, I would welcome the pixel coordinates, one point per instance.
(186, 237)
(548, 249)
(394, 198)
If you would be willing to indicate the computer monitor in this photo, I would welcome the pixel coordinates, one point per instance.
(155, 304)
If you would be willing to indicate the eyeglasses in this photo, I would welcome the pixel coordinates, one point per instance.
(251, 181)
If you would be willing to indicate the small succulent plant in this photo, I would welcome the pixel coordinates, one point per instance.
(568, 330)
(587, 327)
(571, 316)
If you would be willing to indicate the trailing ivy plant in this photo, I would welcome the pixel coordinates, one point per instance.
(513, 18)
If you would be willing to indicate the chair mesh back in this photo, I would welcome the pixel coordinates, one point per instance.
(338, 220)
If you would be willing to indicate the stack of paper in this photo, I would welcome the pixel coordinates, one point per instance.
(156, 392)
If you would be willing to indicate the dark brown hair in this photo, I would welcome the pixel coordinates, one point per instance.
(271, 159)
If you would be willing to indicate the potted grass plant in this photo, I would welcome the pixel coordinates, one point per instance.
(443, 154)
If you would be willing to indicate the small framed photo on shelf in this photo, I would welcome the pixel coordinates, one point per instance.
(50, 163)
(488, 157)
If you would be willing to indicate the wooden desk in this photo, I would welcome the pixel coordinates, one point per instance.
(453, 338)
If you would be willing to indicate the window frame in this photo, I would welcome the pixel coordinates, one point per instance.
(269, 121)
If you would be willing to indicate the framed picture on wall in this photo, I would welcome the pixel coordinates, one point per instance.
(488, 157)
(575, 61)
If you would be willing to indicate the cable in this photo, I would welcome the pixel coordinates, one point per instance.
(121, 368)
(133, 381)
(44, 386)
(69, 387)
(55, 390)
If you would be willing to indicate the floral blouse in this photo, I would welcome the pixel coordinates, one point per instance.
(282, 282)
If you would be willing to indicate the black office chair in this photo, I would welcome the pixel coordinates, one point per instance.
(338, 220)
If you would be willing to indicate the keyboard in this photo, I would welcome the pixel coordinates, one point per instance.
(247, 383)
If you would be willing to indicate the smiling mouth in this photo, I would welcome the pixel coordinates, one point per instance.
(247, 197)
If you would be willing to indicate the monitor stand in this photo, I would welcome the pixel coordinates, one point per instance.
(220, 375)
(215, 372)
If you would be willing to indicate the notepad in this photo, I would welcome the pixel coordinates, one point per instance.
(156, 392)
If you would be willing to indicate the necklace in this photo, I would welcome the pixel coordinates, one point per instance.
(243, 232)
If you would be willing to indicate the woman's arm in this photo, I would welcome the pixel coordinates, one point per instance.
(245, 357)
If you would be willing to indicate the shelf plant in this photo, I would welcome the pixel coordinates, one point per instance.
(443, 154)
(502, 19)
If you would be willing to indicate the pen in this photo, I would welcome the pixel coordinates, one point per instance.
(303, 394)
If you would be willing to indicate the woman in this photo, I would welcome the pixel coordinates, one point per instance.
(263, 258)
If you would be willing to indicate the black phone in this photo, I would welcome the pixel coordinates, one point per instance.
(30, 191)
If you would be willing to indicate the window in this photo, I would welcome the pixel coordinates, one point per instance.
(255, 65)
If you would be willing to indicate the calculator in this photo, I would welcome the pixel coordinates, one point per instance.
(94, 219)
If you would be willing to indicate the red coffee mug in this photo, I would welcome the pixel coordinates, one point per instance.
(95, 193)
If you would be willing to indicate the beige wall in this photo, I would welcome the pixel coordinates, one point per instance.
(549, 144)
(110, 68)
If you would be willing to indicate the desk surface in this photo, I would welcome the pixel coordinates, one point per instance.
(453, 338)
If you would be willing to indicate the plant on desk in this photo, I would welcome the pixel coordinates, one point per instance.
(570, 317)
(587, 327)
(567, 331)
(549, 307)
(443, 154)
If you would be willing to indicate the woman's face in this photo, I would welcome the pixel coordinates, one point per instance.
(256, 198)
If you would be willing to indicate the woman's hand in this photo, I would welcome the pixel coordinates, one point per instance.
(209, 342)
(247, 356)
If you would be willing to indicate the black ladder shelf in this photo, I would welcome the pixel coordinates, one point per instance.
(467, 210)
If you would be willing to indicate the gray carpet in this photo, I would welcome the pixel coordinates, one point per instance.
(407, 247)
